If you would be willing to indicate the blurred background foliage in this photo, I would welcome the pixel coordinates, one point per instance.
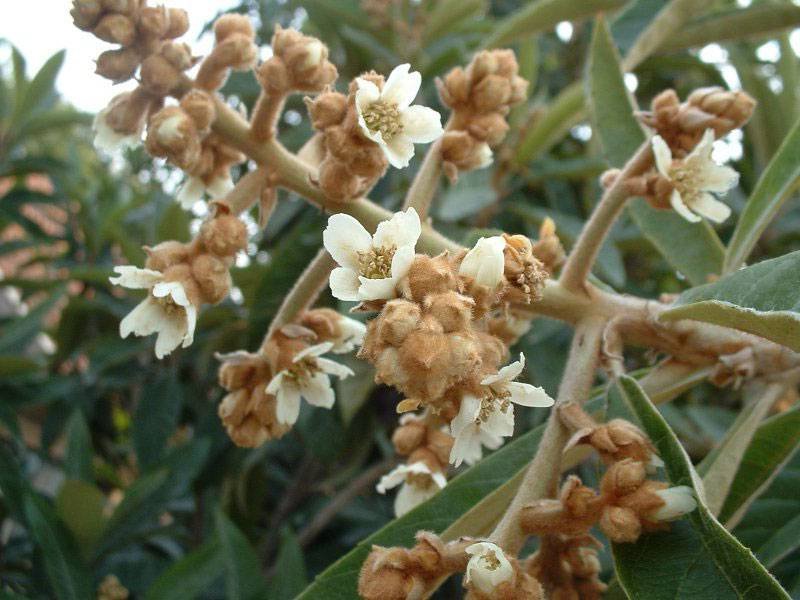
(112, 462)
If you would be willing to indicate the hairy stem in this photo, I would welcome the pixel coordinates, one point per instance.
(423, 189)
(584, 253)
(541, 478)
(305, 291)
(264, 121)
(247, 191)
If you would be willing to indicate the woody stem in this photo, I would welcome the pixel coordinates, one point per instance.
(584, 253)
(305, 291)
(541, 478)
(426, 182)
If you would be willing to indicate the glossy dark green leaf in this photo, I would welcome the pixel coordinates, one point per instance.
(190, 576)
(697, 558)
(80, 506)
(156, 416)
(78, 462)
(243, 578)
(290, 569)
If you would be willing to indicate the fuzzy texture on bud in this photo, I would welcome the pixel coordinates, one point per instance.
(480, 96)
(118, 65)
(683, 124)
(524, 272)
(234, 49)
(568, 567)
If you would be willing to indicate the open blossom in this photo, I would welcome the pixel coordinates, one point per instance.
(386, 117)
(193, 189)
(679, 500)
(485, 262)
(307, 378)
(370, 265)
(694, 178)
(417, 484)
(166, 311)
(351, 335)
(485, 421)
(487, 568)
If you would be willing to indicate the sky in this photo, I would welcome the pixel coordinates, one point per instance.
(40, 28)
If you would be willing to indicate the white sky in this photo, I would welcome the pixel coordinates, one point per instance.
(40, 28)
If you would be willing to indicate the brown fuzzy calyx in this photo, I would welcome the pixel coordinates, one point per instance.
(235, 49)
(299, 63)
(526, 274)
(568, 567)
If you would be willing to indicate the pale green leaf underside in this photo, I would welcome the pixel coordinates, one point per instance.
(763, 299)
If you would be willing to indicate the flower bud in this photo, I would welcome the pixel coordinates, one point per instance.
(224, 235)
(230, 24)
(488, 568)
(429, 275)
(678, 501)
(485, 262)
(327, 109)
(624, 477)
(336, 180)
(116, 29)
(212, 275)
(121, 6)
(200, 107)
(153, 21)
(491, 93)
(173, 135)
(85, 13)
(166, 254)
(159, 76)
(178, 23)
(117, 65)
(620, 524)
(398, 319)
(408, 437)
(452, 310)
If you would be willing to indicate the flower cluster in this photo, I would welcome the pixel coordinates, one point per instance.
(568, 567)
(492, 575)
(299, 63)
(480, 96)
(374, 124)
(179, 279)
(265, 388)
(427, 448)
(234, 49)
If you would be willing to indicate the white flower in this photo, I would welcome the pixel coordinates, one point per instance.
(166, 311)
(109, 140)
(693, 178)
(487, 420)
(485, 263)
(306, 378)
(371, 265)
(351, 335)
(419, 484)
(679, 500)
(486, 156)
(194, 188)
(488, 567)
(386, 117)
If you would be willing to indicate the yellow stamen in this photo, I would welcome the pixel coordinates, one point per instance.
(384, 118)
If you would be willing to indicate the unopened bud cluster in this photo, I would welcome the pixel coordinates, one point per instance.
(234, 49)
(568, 567)
(480, 96)
(352, 163)
(682, 125)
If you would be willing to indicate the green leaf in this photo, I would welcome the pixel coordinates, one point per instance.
(19, 333)
(543, 16)
(774, 187)
(190, 576)
(68, 576)
(773, 445)
(753, 21)
(446, 14)
(468, 196)
(290, 569)
(78, 462)
(80, 505)
(762, 299)
(698, 557)
(156, 416)
(719, 468)
(693, 249)
(40, 92)
(243, 579)
(563, 112)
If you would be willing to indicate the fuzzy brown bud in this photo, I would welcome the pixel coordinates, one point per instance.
(117, 65)
(166, 254)
(200, 107)
(429, 275)
(224, 235)
(178, 23)
(153, 21)
(172, 134)
(85, 13)
(212, 275)
(116, 29)
(620, 524)
(327, 109)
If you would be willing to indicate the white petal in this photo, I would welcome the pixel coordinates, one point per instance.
(401, 87)
(703, 149)
(677, 203)
(711, 208)
(377, 289)
(662, 154)
(276, 383)
(393, 478)
(344, 284)
(485, 262)
(220, 186)
(466, 447)
(719, 179)
(287, 407)
(352, 334)
(486, 156)
(401, 262)
(191, 191)
(422, 124)
(135, 278)
(488, 567)
(679, 501)
(499, 423)
(191, 323)
(170, 335)
(403, 229)
(508, 373)
(410, 496)
(331, 367)
(526, 394)
(399, 150)
(344, 238)
(318, 391)
(490, 440)
(313, 351)
(143, 320)
(366, 94)
(467, 412)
